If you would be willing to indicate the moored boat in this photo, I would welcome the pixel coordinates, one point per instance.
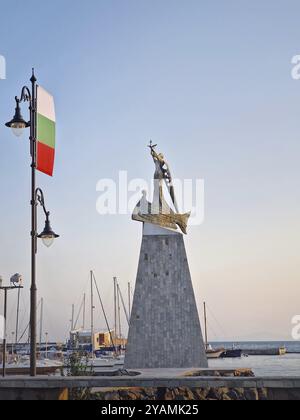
(211, 353)
(232, 354)
(214, 353)
(44, 367)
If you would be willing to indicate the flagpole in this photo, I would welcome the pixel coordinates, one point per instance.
(33, 289)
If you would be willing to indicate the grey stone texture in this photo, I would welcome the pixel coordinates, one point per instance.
(165, 330)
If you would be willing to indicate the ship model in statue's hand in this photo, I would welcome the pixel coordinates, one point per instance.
(159, 212)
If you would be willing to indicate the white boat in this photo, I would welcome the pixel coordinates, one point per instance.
(21, 366)
(210, 352)
(106, 362)
(214, 353)
(100, 363)
(120, 360)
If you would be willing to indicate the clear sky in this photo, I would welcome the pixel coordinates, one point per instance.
(210, 81)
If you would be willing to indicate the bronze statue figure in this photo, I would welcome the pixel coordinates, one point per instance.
(159, 212)
(162, 173)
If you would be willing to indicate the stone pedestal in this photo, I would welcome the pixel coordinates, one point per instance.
(165, 330)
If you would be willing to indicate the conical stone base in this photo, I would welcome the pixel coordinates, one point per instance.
(165, 330)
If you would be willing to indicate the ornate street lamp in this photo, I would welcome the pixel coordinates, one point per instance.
(6, 289)
(48, 235)
(18, 124)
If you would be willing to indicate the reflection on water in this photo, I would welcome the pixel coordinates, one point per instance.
(288, 365)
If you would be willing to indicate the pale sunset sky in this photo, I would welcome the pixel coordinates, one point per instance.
(210, 82)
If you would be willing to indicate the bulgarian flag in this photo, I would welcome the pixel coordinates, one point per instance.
(45, 131)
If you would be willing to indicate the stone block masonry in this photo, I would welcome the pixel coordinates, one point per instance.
(154, 385)
(165, 330)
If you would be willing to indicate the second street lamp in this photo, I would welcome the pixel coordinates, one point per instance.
(18, 124)
(48, 235)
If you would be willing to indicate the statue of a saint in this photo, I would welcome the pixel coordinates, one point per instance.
(162, 175)
(159, 212)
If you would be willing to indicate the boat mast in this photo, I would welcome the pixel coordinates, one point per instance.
(115, 307)
(92, 313)
(123, 304)
(18, 315)
(119, 311)
(83, 316)
(129, 300)
(41, 322)
(105, 316)
(72, 319)
(205, 322)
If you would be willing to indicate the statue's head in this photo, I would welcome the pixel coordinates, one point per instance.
(161, 157)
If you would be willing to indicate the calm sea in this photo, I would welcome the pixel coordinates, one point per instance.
(288, 365)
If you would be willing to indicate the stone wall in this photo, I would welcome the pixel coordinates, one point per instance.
(196, 394)
(228, 385)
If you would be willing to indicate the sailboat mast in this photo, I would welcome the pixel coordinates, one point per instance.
(115, 306)
(119, 311)
(41, 322)
(129, 300)
(92, 313)
(83, 316)
(205, 322)
(104, 313)
(123, 304)
(72, 318)
(18, 315)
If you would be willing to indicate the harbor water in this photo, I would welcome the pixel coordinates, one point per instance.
(287, 365)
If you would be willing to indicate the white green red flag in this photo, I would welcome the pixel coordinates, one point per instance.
(45, 131)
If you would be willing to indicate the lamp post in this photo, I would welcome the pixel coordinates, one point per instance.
(18, 124)
(6, 289)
